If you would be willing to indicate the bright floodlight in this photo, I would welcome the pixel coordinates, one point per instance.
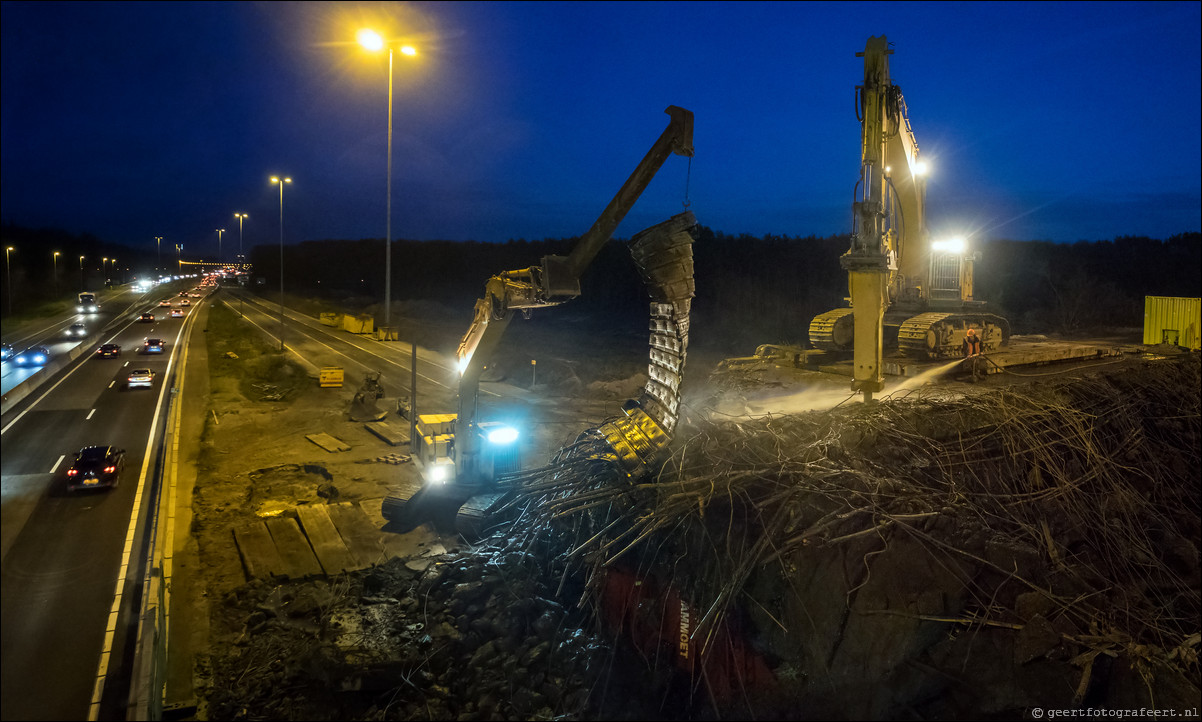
(951, 245)
(370, 40)
(503, 435)
(920, 168)
(439, 473)
(408, 50)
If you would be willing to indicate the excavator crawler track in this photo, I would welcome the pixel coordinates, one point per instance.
(833, 331)
(940, 335)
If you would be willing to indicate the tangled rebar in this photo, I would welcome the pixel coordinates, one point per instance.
(1099, 474)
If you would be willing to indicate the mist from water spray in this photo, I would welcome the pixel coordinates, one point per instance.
(923, 378)
(821, 399)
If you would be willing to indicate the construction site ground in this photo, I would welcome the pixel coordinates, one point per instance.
(415, 624)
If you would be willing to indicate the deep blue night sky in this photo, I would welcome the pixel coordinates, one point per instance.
(1051, 121)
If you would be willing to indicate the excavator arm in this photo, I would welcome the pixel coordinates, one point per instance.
(554, 281)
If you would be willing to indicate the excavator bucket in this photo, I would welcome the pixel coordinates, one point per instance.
(363, 406)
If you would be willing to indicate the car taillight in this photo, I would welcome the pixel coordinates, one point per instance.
(109, 469)
(72, 472)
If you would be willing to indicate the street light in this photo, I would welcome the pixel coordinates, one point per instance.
(241, 217)
(281, 183)
(81, 281)
(104, 271)
(159, 263)
(219, 232)
(56, 255)
(373, 42)
(9, 270)
(179, 261)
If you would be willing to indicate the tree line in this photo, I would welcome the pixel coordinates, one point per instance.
(749, 289)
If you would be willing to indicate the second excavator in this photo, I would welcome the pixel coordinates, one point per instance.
(906, 291)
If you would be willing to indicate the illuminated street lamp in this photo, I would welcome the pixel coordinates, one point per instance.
(159, 263)
(373, 42)
(81, 281)
(179, 260)
(9, 270)
(219, 232)
(56, 255)
(281, 183)
(104, 271)
(241, 217)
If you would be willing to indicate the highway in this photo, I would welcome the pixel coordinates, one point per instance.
(72, 560)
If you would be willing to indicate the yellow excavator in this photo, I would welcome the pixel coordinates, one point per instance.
(906, 291)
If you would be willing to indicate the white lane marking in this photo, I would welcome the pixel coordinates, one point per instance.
(55, 467)
(106, 654)
(309, 334)
(89, 417)
(112, 383)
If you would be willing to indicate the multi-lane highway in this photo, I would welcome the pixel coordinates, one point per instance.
(71, 561)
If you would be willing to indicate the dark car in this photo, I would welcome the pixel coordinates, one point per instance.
(32, 356)
(146, 318)
(152, 345)
(96, 466)
(77, 329)
(109, 350)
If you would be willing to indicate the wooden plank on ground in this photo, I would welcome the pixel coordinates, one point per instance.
(298, 559)
(327, 442)
(259, 555)
(365, 542)
(327, 543)
(393, 434)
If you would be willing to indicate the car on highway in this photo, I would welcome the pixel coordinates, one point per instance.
(185, 302)
(109, 350)
(177, 312)
(146, 318)
(96, 466)
(76, 330)
(139, 378)
(32, 356)
(152, 345)
(165, 302)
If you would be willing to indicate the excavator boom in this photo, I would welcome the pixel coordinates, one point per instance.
(555, 281)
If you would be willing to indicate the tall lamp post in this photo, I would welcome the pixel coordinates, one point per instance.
(280, 182)
(104, 271)
(8, 269)
(179, 259)
(241, 217)
(81, 281)
(158, 265)
(56, 255)
(373, 42)
(219, 232)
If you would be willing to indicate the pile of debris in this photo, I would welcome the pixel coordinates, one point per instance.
(1037, 546)
(925, 557)
(469, 637)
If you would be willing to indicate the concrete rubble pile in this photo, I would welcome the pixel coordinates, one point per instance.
(1035, 547)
